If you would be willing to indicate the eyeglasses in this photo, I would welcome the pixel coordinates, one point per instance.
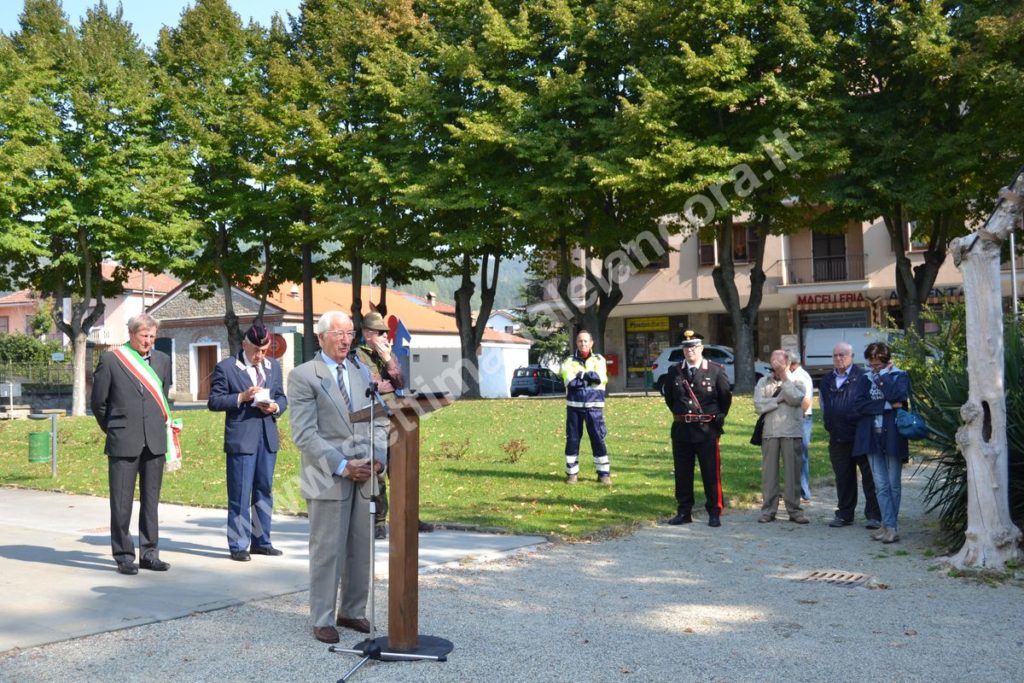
(340, 333)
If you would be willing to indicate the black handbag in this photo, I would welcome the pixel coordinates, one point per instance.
(758, 434)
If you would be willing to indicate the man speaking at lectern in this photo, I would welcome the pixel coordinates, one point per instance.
(335, 476)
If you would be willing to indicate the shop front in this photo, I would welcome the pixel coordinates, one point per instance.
(645, 338)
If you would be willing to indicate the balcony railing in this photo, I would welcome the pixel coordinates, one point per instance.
(824, 269)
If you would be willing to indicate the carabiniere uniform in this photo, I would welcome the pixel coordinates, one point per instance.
(699, 406)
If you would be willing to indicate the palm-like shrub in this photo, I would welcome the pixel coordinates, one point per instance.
(938, 370)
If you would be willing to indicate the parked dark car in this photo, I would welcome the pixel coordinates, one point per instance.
(534, 380)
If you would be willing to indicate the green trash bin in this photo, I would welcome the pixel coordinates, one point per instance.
(39, 446)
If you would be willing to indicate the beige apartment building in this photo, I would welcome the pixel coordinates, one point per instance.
(814, 280)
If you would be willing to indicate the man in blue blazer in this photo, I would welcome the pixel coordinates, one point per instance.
(249, 388)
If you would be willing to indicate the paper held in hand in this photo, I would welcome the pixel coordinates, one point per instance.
(262, 397)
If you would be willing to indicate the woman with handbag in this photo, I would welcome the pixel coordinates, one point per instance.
(882, 391)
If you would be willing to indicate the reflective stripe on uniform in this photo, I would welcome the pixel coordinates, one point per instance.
(585, 404)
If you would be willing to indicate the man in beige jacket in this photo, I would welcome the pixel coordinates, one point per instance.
(779, 397)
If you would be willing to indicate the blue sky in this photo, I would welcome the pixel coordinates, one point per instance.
(148, 16)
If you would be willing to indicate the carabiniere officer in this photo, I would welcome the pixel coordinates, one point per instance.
(697, 392)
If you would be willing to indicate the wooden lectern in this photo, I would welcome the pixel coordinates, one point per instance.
(404, 500)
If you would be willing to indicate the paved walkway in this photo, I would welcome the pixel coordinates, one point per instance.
(57, 578)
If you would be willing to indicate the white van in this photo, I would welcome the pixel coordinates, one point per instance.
(818, 345)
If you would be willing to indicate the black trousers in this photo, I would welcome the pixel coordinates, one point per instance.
(685, 454)
(121, 476)
(845, 468)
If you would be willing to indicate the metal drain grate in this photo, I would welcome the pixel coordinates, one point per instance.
(837, 578)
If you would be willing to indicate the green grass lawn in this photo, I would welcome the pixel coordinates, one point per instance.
(493, 463)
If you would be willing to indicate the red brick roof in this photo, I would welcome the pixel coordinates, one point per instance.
(157, 283)
(417, 316)
(23, 296)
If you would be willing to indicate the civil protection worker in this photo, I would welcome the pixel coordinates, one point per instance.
(697, 392)
(585, 374)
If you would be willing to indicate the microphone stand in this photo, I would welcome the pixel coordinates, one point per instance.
(371, 647)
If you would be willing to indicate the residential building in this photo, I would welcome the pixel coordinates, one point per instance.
(141, 290)
(814, 280)
(17, 309)
(193, 332)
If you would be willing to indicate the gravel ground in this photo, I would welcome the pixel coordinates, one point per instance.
(663, 604)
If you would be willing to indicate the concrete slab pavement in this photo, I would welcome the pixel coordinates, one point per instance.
(58, 579)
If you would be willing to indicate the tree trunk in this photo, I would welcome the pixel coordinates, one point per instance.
(308, 332)
(77, 328)
(913, 283)
(230, 317)
(471, 335)
(464, 322)
(992, 538)
(382, 303)
(356, 266)
(744, 318)
(79, 344)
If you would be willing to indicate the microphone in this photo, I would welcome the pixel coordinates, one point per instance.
(373, 393)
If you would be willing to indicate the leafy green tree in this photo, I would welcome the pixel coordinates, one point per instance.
(92, 177)
(917, 124)
(718, 129)
(42, 322)
(550, 340)
(452, 168)
(215, 84)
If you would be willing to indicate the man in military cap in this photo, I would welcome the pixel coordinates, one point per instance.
(375, 352)
(697, 392)
(249, 389)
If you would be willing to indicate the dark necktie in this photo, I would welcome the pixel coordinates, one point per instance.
(692, 372)
(341, 386)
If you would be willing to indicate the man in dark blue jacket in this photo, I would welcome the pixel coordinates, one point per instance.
(249, 388)
(836, 392)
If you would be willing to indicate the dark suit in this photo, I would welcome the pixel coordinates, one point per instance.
(339, 509)
(251, 443)
(840, 417)
(136, 444)
(696, 428)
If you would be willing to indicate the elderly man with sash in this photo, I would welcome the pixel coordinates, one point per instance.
(129, 400)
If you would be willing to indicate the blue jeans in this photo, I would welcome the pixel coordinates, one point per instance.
(805, 471)
(887, 471)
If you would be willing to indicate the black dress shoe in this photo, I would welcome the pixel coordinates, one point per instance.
(326, 634)
(380, 532)
(157, 565)
(838, 522)
(425, 527)
(714, 520)
(681, 518)
(269, 550)
(127, 568)
(241, 556)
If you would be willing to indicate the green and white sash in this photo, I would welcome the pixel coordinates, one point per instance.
(142, 371)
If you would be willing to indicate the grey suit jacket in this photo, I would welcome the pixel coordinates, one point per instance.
(323, 431)
(128, 414)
